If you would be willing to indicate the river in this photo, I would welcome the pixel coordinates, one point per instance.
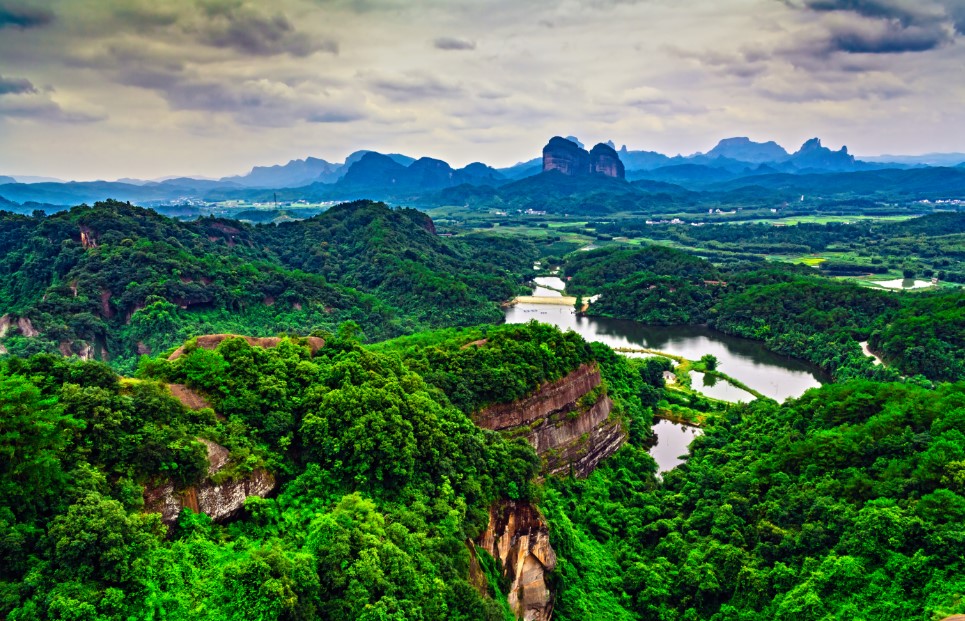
(748, 361)
(772, 375)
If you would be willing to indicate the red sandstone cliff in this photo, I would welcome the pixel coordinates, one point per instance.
(570, 436)
(572, 160)
(518, 538)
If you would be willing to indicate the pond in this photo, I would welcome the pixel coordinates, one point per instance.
(902, 283)
(672, 442)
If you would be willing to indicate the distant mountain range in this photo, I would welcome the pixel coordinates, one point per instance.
(733, 162)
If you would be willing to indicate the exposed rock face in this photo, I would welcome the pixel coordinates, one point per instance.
(189, 399)
(519, 539)
(569, 435)
(572, 160)
(87, 238)
(211, 341)
(219, 502)
(605, 161)
(27, 327)
(565, 156)
(5, 323)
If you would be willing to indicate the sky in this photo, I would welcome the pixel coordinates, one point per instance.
(102, 89)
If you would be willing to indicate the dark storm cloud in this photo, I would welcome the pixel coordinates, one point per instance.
(888, 26)
(453, 43)
(21, 16)
(885, 38)
(16, 86)
(243, 29)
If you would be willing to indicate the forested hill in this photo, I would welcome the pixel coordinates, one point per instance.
(795, 310)
(112, 280)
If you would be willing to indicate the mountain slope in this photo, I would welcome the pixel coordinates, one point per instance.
(113, 280)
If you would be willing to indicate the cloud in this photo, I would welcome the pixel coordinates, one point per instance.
(243, 29)
(19, 16)
(414, 86)
(885, 26)
(16, 86)
(453, 43)
(39, 106)
(335, 114)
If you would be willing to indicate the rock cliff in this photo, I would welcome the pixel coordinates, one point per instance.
(565, 156)
(518, 538)
(218, 501)
(570, 159)
(605, 161)
(567, 422)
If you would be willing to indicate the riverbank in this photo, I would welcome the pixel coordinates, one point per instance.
(564, 300)
(685, 366)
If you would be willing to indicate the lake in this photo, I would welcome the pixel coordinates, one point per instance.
(772, 375)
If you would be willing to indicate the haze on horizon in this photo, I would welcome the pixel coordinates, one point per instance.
(131, 88)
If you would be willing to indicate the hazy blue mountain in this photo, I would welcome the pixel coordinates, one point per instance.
(915, 183)
(373, 170)
(382, 176)
(643, 160)
(291, 175)
(928, 159)
(478, 173)
(5, 179)
(814, 156)
(746, 150)
(685, 174)
(523, 169)
(398, 158)
(36, 179)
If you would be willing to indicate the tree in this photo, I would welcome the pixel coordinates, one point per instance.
(709, 362)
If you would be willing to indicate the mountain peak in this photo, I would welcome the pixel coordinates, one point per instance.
(572, 160)
(743, 149)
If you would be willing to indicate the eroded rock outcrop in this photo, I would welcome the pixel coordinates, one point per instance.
(518, 538)
(565, 156)
(605, 161)
(572, 160)
(211, 341)
(218, 501)
(567, 422)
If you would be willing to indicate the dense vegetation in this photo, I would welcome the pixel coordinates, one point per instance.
(117, 280)
(930, 246)
(845, 503)
(383, 481)
(791, 309)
